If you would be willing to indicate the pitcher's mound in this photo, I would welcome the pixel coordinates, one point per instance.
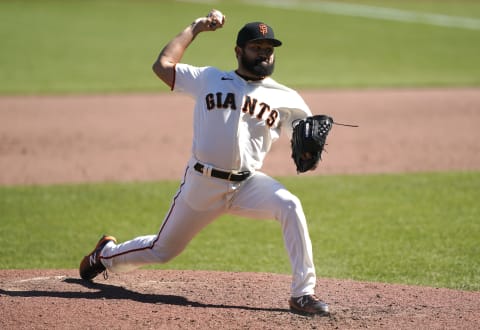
(160, 299)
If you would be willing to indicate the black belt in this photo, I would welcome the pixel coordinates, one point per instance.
(230, 176)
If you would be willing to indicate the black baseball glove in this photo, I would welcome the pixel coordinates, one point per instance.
(308, 141)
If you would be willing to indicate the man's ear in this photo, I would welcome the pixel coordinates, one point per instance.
(238, 51)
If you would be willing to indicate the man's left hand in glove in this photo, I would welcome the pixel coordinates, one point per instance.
(308, 141)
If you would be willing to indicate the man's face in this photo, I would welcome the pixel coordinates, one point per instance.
(257, 58)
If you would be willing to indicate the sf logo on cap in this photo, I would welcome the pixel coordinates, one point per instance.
(263, 29)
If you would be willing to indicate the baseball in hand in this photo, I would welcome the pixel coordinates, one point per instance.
(217, 17)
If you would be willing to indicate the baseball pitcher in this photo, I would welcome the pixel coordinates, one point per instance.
(237, 116)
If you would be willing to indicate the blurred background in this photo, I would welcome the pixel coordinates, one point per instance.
(96, 46)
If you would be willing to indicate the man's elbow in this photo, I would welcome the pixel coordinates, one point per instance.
(157, 68)
(164, 71)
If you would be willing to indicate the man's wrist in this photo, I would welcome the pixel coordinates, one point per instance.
(194, 26)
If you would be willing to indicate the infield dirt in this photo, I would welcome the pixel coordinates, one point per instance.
(74, 139)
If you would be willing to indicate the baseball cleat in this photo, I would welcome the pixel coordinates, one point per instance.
(91, 264)
(308, 304)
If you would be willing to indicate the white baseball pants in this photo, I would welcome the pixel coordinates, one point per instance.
(200, 200)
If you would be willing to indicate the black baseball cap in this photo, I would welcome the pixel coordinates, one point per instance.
(256, 31)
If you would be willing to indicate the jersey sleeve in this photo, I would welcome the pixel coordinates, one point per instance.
(191, 79)
(294, 109)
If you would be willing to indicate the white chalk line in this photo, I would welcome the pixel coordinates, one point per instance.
(42, 278)
(349, 9)
(367, 11)
(18, 285)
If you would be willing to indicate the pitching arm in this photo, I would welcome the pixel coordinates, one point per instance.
(171, 54)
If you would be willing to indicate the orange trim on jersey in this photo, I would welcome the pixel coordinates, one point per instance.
(174, 76)
(163, 225)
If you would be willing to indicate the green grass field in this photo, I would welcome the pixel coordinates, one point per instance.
(109, 46)
(416, 229)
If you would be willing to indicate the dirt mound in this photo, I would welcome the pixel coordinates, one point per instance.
(47, 299)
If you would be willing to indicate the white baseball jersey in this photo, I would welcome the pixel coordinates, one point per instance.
(225, 102)
(235, 123)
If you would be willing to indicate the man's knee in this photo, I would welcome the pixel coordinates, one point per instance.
(290, 205)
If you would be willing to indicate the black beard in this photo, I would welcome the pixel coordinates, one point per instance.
(258, 67)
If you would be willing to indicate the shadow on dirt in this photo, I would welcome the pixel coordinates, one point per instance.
(106, 291)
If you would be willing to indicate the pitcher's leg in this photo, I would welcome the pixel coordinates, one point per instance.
(181, 224)
(263, 197)
(297, 242)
